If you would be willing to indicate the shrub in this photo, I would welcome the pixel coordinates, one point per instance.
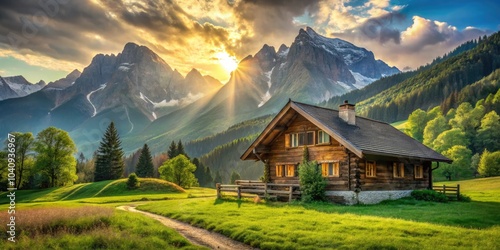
(429, 195)
(464, 198)
(133, 181)
(312, 184)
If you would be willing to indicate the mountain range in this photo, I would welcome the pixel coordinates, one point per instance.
(151, 102)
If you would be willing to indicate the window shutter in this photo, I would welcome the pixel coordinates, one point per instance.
(287, 140)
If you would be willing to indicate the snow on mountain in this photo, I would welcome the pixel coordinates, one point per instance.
(17, 86)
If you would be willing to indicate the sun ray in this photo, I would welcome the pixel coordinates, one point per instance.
(228, 62)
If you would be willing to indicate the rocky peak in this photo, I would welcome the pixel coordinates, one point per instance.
(266, 57)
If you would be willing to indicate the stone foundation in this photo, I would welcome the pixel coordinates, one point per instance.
(365, 197)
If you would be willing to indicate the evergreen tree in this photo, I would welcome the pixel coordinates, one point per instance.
(180, 149)
(145, 166)
(234, 177)
(109, 164)
(218, 177)
(172, 150)
(208, 180)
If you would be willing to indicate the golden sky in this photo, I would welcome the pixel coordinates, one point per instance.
(48, 39)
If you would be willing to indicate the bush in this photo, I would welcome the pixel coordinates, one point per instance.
(429, 195)
(133, 181)
(312, 184)
(464, 198)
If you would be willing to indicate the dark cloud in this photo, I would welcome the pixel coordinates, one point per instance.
(382, 29)
(56, 29)
(270, 21)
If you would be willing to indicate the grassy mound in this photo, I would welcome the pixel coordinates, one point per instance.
(149, 186)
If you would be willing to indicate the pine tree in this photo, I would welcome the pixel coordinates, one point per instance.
(172, 150)
(180, 149)
(109, 164)
(145, 166)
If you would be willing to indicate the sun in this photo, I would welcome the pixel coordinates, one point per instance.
(229, 63)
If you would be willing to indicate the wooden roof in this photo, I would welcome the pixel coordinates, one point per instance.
(367, 138)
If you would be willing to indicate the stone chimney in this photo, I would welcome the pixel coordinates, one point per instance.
(347, 112)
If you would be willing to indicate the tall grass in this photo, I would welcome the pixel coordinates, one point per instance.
(90, 227)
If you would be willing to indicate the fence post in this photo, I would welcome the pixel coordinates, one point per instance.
(458, 192)
(290, 194)
(444, 189)
(239, 192)
(265, 190)
(217, 186)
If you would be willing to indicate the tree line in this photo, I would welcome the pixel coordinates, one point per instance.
(48, 160)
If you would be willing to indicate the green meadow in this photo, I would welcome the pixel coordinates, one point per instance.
(83, 216)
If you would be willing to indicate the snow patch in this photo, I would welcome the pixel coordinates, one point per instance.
(361, 80)
(154, 115)
(124, 68)
(90, 94)
(265, 98)
(129, 121)
(284, 52)
(344, 85)
(164, 103)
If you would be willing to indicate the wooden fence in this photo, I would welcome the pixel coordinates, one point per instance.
(450, 191)
(260, 188)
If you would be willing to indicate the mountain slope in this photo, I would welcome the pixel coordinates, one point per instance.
(17, 86)
(431, 87)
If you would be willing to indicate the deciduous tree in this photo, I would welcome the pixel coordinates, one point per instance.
(179, 170)
(55, 161)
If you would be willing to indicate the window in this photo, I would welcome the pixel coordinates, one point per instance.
(330, 169)
(371, 169)
(419, 171)
(300, 139)
(290, 170)
(323, 137)
(398, 170)
(279, 170)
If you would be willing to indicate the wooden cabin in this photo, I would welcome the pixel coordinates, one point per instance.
(363, 160)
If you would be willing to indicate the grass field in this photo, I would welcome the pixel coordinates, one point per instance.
(402, 224)
(90, 227)
(401, 125)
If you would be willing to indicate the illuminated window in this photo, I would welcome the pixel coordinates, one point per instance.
(398, 170)
(323, 137)
(290, 170)
(279, 170)
(371, 169)
(419, 171)
(330, 169)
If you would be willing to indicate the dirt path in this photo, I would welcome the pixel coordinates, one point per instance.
(195, 235)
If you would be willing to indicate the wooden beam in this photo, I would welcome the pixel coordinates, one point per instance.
(260, 149)
(280, 128)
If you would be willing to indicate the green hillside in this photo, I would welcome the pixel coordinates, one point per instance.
(102, 189)
(393, 98)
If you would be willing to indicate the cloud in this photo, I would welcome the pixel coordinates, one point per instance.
(422, 41)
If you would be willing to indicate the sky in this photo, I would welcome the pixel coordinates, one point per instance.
(47, 39)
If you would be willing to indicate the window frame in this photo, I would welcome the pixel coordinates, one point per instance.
(421, 167)
(280, 169)
(398, 170)
(374, 164)
(296, 138)
(287, 169)
(335, 166)
(321, 136)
